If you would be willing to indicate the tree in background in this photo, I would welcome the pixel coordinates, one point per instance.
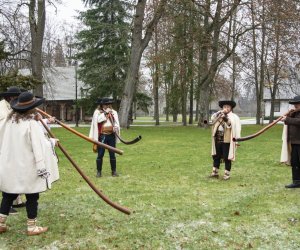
(283, 33)
(141, 35)
(141, 102)
(15, 38)
(266, 53)
(104, 47)
(37, 20)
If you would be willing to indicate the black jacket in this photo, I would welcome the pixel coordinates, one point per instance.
(293, 123)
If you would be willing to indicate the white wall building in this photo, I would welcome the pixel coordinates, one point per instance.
(60, 92)
(284, 95)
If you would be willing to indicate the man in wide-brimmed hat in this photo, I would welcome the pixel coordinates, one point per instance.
(105, 124)
(290, 152)
(23, 161)
(226, 126)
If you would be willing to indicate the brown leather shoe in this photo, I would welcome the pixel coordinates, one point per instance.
(3, 226)
(33, 229)
(3, 229)
(37, 230)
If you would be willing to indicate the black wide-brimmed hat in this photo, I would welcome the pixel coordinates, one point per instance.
(12, 91)
(227, 102)
(107, 100)
(295, 100)
(25, 102)
(99, 101)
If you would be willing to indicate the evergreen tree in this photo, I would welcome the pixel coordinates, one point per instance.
(104, 47)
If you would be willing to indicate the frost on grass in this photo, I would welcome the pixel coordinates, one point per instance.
(262, 234)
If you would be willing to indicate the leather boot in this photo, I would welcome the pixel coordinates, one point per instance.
(99, 168)
(3, 226)
(295, 184)
(33, 229)
(113, 165)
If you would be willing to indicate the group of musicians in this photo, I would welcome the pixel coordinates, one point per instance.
(21, 131)
(226, 126)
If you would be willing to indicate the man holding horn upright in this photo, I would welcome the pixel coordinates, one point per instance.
(105, 124)
(226, 126)
(290, 152)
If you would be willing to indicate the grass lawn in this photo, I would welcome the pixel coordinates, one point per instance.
(164, 182)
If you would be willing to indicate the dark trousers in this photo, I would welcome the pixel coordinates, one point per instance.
(295, 162)
(111, 141)
(31, 204)
(222, 151)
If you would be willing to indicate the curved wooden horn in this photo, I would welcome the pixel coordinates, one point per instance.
(100, 194)
(263, 129)
(118, 151)
(119, 137)
(129, 142)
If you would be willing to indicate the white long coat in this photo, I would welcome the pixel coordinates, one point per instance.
(286, 147)
(23, 152)
(5, 109)
(235, 133)
(99, 117)
(50, 155)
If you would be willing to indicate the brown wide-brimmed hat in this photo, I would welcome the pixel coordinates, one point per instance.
(227, 102)
(295, 100)
(11, 91)
(25, 102)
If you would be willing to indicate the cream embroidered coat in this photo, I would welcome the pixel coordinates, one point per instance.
(235, 133)
(99, 117)
(23, 151)
(50, 155)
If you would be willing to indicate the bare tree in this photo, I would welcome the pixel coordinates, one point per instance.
(139, 43)
(37, 19)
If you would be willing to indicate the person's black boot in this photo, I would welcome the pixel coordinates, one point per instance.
(113, 165)
(293, 185)
(99, 168)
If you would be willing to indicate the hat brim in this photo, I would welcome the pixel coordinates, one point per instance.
(106, 103)
(23, 108)
(294, 102)
(230, 103)
(6, 94)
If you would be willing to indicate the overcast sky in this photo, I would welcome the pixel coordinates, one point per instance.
(66, 10)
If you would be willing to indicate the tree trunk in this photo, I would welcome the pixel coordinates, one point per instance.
(37, 27)
(138, 46)
(156, 81)
(190, 70)
(276, 66)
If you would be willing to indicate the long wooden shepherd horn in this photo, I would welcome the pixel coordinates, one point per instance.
(119, 137)
(118, 151)
(129, 142)
(101, 195)
(246, 138)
